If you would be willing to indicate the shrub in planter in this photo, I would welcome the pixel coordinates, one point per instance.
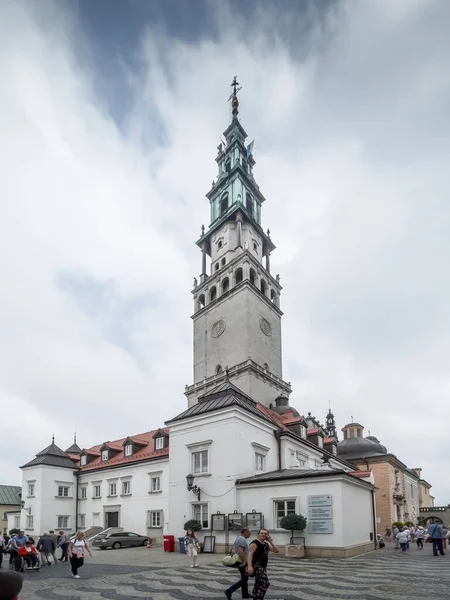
(293, 523)
(13, 531)
(398, 524)
(192, 524)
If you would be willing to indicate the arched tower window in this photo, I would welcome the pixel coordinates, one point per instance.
(224, 204)
(228, 165)
(252, 276)
(223, 262)
(201, 302)
(263, 287)
(216, 266)
(219, 369)
(213, 294)
(273, 295)
(225, 285)
(244, 165)
(238, 276)
(249, 203)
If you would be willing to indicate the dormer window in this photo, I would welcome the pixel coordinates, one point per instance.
(128, 450)
(303, 431)
(83, 461)
(320, 441)
(105, 455)
(159, 443)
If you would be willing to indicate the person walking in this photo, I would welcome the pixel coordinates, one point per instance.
(2, 549)
(46, 547)
(395, 532)
(55, 538)
(10, 585)
(192, 546)
(435, 536)
(15, 543)
(419, 535)
(403, 538)
(241, 547)
(77, 547)
(258, 557)
(63, 543)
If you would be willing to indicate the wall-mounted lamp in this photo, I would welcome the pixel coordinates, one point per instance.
(191, 487)
(22, 503)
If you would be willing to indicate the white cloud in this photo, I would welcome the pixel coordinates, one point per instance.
(351, 148)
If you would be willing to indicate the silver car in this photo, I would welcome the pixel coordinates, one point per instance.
(120, 540)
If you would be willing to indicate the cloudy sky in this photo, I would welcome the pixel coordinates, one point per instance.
(110, 114)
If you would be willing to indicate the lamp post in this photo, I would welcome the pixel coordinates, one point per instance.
(191, 487)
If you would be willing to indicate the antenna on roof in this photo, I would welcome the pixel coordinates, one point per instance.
(53, 438)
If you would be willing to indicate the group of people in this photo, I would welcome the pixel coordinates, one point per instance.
(436, 534)
(252, 561)
(22, 546)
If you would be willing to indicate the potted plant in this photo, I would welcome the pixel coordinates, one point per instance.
(397, 524)
(294, 523)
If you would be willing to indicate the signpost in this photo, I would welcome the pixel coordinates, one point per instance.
(320, 513)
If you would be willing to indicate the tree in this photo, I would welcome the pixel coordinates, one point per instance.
(397, 524)
(193, 524)
(293, 523)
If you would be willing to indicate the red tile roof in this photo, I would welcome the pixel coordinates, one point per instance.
(329, 440)
(145, 453)
(312, 431)
(360, 473)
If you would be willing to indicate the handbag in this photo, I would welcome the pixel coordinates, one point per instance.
(231, 559)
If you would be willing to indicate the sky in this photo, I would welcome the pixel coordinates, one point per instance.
(111, 113)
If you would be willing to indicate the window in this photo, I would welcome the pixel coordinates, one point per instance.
(219, 244)
(224, 205)
(200, 462)
(352, 433)
(297, 459)
(104, 455)
(201, 301)
(219, 369)
(97, 491)
(83, 493)
(63, 522)
(126, 488)
(213, 293)
(263, 286)
(244, 165)
(31, 489)
(252, 276)
(260, 462)
(159, 443)
(228, 165)
(273, 295)
(200, 513)
(282, 509)
(303, 431)
(128, 450)
(238, 276)
(155, 484)
(225, 285)
(155, 518)
(223, 262)
(113, 489)
(81, 520)
(17, 522)
(249, 204)
(255, 246)
(83, 461)
(63, 491)
(320, 441)
(216, 266)
(30, 521)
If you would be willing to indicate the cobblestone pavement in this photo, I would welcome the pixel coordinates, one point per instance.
(152, 575)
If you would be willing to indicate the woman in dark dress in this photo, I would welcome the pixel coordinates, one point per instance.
(258, 556)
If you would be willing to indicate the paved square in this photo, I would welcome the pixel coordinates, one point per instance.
(138, 573)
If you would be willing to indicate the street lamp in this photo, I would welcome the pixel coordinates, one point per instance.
(191, 487)
(22, 504)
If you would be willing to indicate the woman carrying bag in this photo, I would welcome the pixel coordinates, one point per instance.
(77, 547)
(192, 547)
(258, 557)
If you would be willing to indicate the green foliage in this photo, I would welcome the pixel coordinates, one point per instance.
(398, 524)
(192, 524)
(293, 523)
(409, 524)
(388, 532)
(14, 531)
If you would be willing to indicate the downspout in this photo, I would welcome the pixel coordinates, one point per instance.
(375, 543)
(77, 476)
(278, 438)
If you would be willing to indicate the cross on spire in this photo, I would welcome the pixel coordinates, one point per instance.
(234, 98)
(53, 438)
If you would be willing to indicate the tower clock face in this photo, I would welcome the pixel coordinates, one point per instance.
(266, 327)
(218, 328)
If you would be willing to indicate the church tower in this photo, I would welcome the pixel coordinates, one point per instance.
(237, 315)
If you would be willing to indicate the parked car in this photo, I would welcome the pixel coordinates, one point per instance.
(120, 540)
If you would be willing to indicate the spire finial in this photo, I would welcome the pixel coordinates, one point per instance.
(234, 98)
(53, 438)
(75, 437)
(351, 417)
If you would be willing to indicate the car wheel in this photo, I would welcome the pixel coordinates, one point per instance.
(144, 543)
(116, 545)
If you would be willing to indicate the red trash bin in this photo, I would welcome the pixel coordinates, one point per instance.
(169, 543)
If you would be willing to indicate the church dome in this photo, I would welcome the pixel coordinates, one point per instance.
(359, 447)
(282, 406)
(382, 449)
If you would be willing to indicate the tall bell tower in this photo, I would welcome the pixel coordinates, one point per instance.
(237, 315)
